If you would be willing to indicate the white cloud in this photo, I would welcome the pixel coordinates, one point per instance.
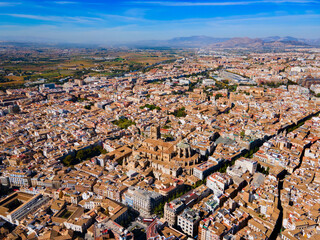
(56, 18)
(9, 4)
(167, 30)
(123, 18)
(65, 2)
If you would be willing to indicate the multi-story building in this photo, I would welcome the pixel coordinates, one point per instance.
(218, 182)
(247, 164)
(176, 206)
(159, 230)
(143, 201)
(204, 169)
(74, 218)
(19, 204)
(102, 230)
(188, 221)
(173, 208)
(211, 230)
(20, 179)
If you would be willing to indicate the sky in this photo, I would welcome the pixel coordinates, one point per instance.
(123, 21)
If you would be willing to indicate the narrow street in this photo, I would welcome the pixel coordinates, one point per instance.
(278, 227)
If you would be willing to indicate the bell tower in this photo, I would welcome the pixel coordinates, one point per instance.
(155, 132)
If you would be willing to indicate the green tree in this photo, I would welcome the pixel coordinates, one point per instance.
(68, 160)
(180, 112)
(123, 123)
(150, 106)
(80, 155)
(217, 96)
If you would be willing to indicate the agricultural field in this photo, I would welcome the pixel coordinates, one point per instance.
(33, 65)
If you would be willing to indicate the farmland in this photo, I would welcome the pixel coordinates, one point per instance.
(25, 66)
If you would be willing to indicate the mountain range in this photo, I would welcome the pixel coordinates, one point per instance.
(239, 42)
(274, 42)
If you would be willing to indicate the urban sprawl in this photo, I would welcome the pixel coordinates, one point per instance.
(212, 145)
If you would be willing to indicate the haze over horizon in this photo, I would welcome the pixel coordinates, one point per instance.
(102, 22)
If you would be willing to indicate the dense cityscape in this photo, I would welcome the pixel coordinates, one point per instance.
(159, 144)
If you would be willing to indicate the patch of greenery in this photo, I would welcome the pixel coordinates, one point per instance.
(80, 73)
(278, 84)
(248, 154)
(119, 59)
(66, 214)
(252, 151)
(169, 61)
(88, 107)
(180, 112)
(217, 96)
(225, 85)
(168, 137)
(232, 88)
(193, 85)
(83, 155)
(294, 127)
(135, 67)
(123, 123)
(159, 209)
(150, 106)
(199, 183)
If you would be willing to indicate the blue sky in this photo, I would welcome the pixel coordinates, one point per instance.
(97, 21)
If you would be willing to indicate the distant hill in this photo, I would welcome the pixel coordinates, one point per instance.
(259, 43)
(189, 42)
(238, 42)
(196, 41)
(273, 42)
(279, 39)
(262, 43)
(313, 42)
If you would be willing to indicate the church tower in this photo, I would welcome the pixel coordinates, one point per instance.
(155, 132)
